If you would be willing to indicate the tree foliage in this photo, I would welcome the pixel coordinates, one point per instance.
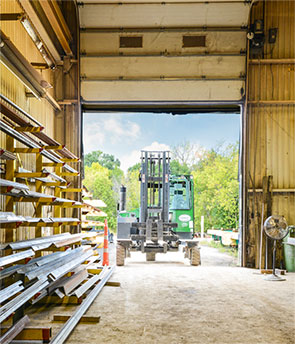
(98, 180)
(217, 188)
(104, 159)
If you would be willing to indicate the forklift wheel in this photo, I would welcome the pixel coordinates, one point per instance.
(150, 256)
(120, 255)
(195, 256)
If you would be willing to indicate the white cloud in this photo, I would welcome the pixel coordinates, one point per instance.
(114, 130)
(134, 157)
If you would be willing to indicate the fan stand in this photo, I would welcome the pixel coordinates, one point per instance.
(273, 276)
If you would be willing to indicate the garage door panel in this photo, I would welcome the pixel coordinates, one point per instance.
(164, 15)
(162, 42)
(157, 67)
(181, 90)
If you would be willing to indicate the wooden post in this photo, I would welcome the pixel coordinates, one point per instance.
(57, 209)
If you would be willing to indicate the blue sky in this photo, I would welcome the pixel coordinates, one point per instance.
(125, 134)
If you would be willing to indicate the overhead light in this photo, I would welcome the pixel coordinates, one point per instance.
(31, 32)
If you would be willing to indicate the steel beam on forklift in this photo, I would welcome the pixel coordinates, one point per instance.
(29, 129)
(27, 150)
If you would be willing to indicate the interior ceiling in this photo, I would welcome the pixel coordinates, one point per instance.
(145, 53)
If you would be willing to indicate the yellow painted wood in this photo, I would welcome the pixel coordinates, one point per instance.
(88, 319)
(59, 147)
(113, 284)
(69, 174)
(72, 190)
(30, 175)
(70, 160)
(53, 164)
(27, 150)
(29, 129)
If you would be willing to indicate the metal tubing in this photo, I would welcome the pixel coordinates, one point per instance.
(21, 299)
(11, 291)
(16, 257)
(14, 330)
(81, 310)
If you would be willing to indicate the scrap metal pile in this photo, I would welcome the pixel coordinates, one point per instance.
(27, 277)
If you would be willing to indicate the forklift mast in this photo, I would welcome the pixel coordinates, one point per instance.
(154, 191)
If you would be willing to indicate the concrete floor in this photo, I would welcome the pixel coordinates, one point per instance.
(171, 302)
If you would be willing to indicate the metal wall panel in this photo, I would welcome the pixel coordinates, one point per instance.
(164, 15)
(271, 120)
(162, 42)
(160, 66)
(12, 88)
(163, 69)
(177, 90)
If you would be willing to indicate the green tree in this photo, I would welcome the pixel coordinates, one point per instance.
(98, 180)
(177, 168)
(133, 189)
(104, 159)
(217, 188)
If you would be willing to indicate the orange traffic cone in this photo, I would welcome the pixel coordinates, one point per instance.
(105, 245)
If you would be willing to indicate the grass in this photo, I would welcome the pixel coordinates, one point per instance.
(223, 249)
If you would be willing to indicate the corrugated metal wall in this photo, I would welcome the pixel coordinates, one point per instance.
(41, 110)
(271, 121)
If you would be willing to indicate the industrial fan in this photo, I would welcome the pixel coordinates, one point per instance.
(276, 228)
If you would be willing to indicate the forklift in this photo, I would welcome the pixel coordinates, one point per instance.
(153, 231)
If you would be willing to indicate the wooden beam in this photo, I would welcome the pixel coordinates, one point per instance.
(272, 61)
(86, 319)
(49, 10)
(113, 284)
(53, 164)
(27, 150)
(69, 174)
(34, 18)
(73, 300)
(58, 147)
(70, 160)
(31, 175)
(271, 102)
(29, 129)
(72, 190)
(33, 333)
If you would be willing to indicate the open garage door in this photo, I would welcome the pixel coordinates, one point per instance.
(153, 52)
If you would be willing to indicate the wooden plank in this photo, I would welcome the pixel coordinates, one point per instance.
(86, 319)
(29, 129)
(70, 300)
(32, 333)
(27, 150)
(113, 284)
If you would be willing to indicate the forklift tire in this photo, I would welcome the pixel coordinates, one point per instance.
(120, 255)
(195, 256)
(150, 256)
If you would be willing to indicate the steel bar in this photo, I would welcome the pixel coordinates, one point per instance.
(9, 217)
(20, 110)
(13, 185)
(74, 281)
(85, 286)
(16, 257)
(46, 269)
(61, 271)
(14, 330)
(9, 271)
(10, 291)
(21, 299)
(81, 310)
(20, 245)
(6, 155)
